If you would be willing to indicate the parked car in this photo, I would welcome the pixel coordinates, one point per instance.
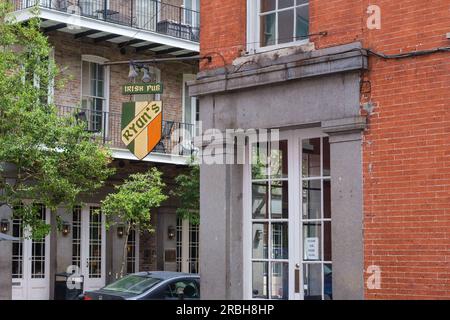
(161, 285)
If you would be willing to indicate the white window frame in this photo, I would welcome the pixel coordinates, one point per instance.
(98, 60)
(295, 219)
(253, 31)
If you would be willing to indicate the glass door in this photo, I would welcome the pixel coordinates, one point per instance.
(270, 220)
(92, 248)
(30, 262)
(187, 240)
(287, 225)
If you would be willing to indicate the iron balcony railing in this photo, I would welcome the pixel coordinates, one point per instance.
(176, 137)
(151, 15)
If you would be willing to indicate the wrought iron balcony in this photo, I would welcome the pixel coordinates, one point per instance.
(177, 137)
(151, 15)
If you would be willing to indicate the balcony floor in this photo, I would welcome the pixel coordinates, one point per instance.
(122, 35)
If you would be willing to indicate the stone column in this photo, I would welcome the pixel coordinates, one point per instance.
(221, 260)
(347, 206)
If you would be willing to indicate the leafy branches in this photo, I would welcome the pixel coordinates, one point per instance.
(188, 193)
(45, 158)
(133, 202)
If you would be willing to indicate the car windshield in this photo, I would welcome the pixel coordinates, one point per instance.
(133, 284)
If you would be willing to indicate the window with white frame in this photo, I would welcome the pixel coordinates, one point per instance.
(277, 23)
(95, 92)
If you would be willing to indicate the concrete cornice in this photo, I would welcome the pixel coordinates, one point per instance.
(265, 70)
(347, 129)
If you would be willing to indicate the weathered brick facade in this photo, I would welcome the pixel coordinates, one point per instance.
(406, 157)
(68, 53)
(68, 56)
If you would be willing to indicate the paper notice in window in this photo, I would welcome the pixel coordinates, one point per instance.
(311, 248)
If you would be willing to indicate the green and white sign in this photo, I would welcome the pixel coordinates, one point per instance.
(142, 88)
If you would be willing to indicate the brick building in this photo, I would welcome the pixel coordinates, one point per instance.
(359, 90)
(87, 37)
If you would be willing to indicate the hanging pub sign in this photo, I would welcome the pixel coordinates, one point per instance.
(141, 126)
(142, 88)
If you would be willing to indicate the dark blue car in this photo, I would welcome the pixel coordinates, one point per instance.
(159, 285)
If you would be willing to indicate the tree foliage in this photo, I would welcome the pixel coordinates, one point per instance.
(188, 193)
(45, 158)
(133, 202)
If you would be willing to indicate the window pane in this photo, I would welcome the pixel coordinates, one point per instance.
(327, 241)
(312, 277)
(326, 157)
(86, 79)
(259, 160)
(299, 2)
(311, 241)
(279, 200)
(100, 72)
(95, 243)
(280, 280)
(280, 241)
(260, 237)
(311, 199)
(328, 281)
(100, 88)
(326, 199)
(259, 279)
(268, 5)
(285, 3)
(302, 29)
(279, 159)
(267, 29)
(260, 199)
(286, 26)
(311, 158)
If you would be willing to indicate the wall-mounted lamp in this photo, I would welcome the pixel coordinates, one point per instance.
(4, 225)
(147, 77)
(133, 73)
(136, 68)
(65, 228)
(120, 230)
(171, 232)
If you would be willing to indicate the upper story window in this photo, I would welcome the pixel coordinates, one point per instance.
(95, 91)
(277, 23)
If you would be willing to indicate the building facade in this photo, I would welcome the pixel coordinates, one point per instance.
(354, 202)
(87, 37)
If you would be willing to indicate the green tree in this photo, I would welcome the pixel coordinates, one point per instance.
(188, 193)
(132, 204)
(45, 158)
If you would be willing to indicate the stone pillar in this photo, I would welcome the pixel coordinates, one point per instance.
(347, 206)
(5, 270)
(221, 253)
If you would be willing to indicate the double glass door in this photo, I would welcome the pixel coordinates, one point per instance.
(88, 246)
(287, 225)
(30, 263)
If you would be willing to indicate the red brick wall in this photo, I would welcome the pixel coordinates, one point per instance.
(406, 149)
(222, 34)
(407, 154)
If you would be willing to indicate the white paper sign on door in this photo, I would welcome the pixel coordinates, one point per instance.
(311, 248)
